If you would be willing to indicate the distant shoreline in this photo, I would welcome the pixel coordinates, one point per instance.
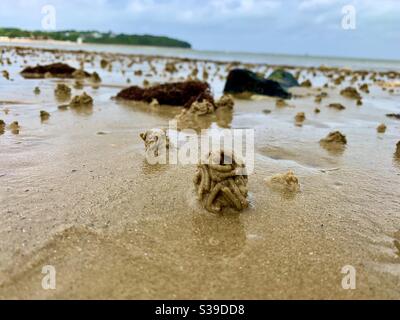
(32, 41)
(74, 43)
(79, 37)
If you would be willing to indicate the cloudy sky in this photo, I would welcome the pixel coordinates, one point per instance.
(311, 27)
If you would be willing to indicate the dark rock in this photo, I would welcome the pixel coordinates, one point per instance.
(241, 80)
(284, 78)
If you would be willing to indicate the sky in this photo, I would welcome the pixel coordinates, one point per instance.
(305, 27)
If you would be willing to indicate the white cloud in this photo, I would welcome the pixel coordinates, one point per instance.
(292, 26)
(316, 4)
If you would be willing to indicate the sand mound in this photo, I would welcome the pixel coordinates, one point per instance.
(335, 138)
(284, 182)
(219, 183)
(351, 93)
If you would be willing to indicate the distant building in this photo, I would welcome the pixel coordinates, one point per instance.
(96, 35)
(79, 40)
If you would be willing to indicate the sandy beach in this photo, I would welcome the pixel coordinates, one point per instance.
(77, 193)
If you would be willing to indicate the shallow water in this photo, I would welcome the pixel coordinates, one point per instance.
(115, 227)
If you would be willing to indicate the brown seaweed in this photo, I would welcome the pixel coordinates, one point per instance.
(54, 70)
(173, 94)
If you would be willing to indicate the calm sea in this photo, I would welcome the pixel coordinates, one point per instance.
(274, 59)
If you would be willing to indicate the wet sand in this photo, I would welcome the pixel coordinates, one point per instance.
(116, 227)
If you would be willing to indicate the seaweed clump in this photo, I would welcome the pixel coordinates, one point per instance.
(351, 93)
(95, 78)
(14, 127)
(173, 94)
(335, 138)
(201, 108)
(364, 88)
(300, 117)
(171, 67)
(394, 116)
(306, 84)
(221, 183)
(44, 115)
(280, 103)
(104, 63)
(6, 74)
(337, 106)
(54, 70)
(381, 128)
(335, 143)
(62, 91)
(2, 126)
(319, 97)
(84, 100)
(397, 153)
